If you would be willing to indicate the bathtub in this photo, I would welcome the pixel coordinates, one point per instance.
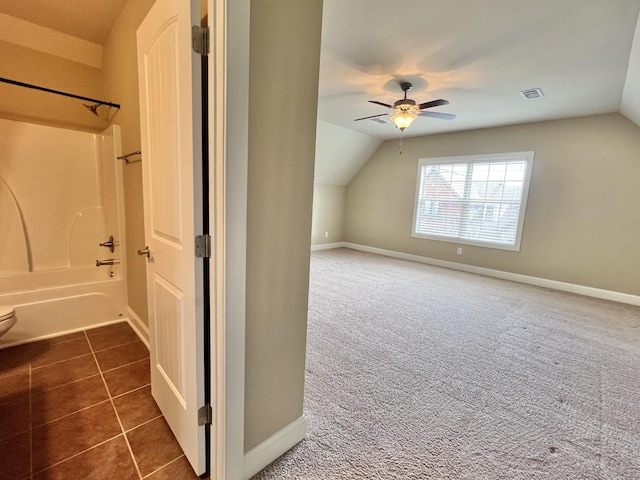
(61, 194)
(50, 311)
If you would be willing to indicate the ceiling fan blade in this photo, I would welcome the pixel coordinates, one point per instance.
(433, 103)
(440, 115)
(372, 116)
(380, 103)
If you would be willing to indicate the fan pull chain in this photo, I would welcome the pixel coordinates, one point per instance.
(401, 138)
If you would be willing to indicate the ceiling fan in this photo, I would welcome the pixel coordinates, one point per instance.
(406, 111)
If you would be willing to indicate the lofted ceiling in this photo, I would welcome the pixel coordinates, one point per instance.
(476, 55)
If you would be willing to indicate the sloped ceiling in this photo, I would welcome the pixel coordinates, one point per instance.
(630, 106)
(478, 57)
(336, 144)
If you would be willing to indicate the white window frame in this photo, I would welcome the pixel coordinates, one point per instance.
(476, 159)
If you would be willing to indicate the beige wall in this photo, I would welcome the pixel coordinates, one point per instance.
(328, 214)
(283, 83)
(120, 73)
(45, 70)
(581, 224)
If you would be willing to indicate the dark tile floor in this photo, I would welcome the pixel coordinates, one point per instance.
(79, 406)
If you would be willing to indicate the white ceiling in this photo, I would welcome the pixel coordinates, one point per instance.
(476, 55)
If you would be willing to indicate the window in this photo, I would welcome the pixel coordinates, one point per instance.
(473, 200)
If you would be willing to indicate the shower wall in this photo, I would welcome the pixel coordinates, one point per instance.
(60, 196)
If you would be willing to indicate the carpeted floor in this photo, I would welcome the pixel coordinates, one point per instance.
(418, 372)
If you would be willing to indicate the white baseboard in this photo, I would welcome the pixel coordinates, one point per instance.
(327, 246)
(266, 452)
(514, 277)
(138, 326)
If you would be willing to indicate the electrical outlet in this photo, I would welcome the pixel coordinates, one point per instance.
(459, 251)
(326, 234)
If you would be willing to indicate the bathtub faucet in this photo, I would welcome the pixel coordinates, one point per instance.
(109, 261)
(110, 243)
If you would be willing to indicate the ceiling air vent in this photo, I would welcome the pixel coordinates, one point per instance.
(379, 120)
(532, 94)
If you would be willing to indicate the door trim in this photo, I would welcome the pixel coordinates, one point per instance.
(228, 21)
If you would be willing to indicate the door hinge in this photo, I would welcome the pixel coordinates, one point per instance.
(205, 415)
(200, 39)
(203, 246)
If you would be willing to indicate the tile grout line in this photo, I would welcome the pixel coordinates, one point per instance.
(131, 391)
(117, 346)
(124, 365)
(135, 463)
(144, 423)
(165, 465)
(93, 374)
(51, 389)
(91, 352)
(32, 428)
(61, 361)
(66, 415)
(31, 399)
(110, 398)
(78, 453)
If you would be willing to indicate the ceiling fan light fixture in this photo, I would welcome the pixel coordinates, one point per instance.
(404, 117)
(405, 111)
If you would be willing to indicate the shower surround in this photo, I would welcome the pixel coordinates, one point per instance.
(60, 197)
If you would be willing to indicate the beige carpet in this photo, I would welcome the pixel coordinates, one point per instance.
(417, 372)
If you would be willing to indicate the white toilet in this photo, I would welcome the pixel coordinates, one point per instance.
(7, 318)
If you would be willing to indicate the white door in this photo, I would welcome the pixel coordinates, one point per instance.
(170, 119)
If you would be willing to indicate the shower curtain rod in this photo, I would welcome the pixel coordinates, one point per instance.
(58, 92)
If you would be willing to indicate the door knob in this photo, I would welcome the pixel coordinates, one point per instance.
(145, 251)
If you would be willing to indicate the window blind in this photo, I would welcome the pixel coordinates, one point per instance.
(474, 199)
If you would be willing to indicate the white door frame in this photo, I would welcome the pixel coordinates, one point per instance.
(228, 21)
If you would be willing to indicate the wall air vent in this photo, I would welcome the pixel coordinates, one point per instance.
(379, 120)
(532, 94)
